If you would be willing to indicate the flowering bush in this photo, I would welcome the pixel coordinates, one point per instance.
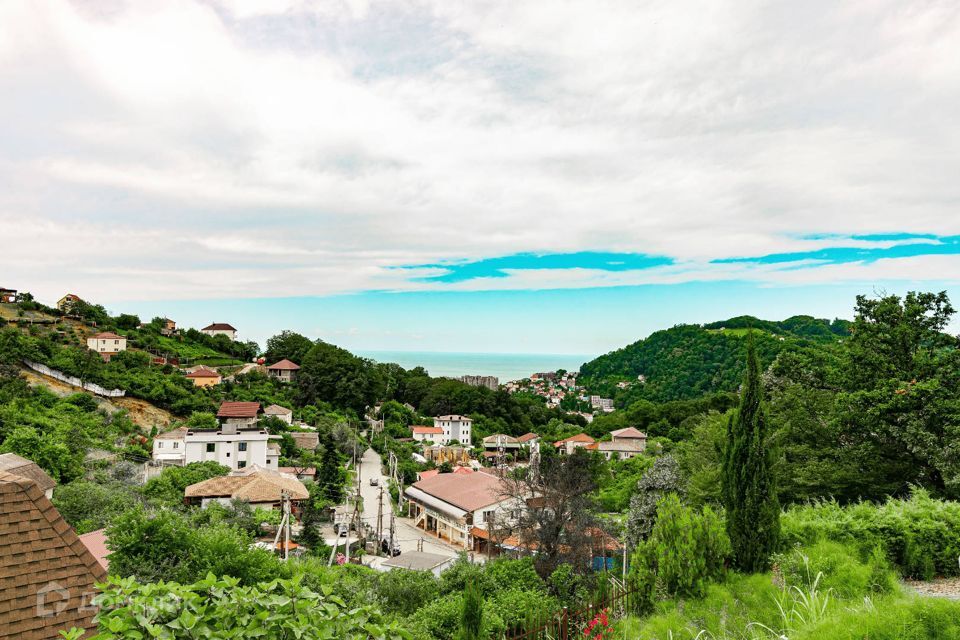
(599, 628)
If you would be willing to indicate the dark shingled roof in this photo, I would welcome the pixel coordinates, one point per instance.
(219, 326)
(284, 365)
(12, 463)
(41, 560)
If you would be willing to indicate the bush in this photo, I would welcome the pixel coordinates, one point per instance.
(685, 551)
(912, 619)
(402, 591)
(518, 608)
(441, 619)
(921, 535)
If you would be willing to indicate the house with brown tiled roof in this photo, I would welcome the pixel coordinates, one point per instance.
(422, 433)
(260, 487)
(204, 377)
(47, 575)
(239, 415)
(450, 504)
(569, 445)
(220, 329)
(107, 343)
(277, 411)
(284, 371)
(19, 466)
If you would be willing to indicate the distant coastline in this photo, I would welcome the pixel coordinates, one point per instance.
(506, 366)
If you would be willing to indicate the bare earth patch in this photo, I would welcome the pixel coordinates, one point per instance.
(939, 588)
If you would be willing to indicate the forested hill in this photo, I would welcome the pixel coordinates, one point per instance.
(690, 361)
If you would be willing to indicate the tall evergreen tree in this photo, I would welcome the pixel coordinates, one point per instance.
(749, 492)
(329, 477)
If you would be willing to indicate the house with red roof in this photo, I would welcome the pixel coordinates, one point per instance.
(284, 371)
(423, 433)
(571, 444)
(107, 344)
(450, 505)
(204, 377)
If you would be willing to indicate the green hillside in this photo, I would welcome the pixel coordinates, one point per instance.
(690, 361)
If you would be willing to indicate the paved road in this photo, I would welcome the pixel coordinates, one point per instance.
(404, 532)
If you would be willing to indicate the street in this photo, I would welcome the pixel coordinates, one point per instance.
(404, 532)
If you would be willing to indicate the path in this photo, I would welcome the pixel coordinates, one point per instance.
(938, 588)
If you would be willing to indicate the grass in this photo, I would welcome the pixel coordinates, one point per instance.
(822, 591)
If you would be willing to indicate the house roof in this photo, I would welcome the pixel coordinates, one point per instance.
(453, 418)
(284, 365)
(176, 434)
(580, 437)
(465, 491)
(277, 410)
(294, 471)
(527, 437)
(203, 372)
(629, 432)
(238, 410)
(495, 438)
(107, 335)
(96, 544)
(40, 554)
(607, 445)
(258, 486)
(428, 473)
(18, 466)
(422, 429)
(219, 326)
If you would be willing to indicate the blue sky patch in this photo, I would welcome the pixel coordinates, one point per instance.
(498, 267)
(941, 245)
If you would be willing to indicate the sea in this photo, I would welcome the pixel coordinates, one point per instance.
(505, 366)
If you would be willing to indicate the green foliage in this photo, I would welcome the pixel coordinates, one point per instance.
(170, 546)
(88, 506)
(921, 535)
(403, 591)
(471, 616)
(748, 488)
(685, 551)
(167, 488)
(441, 619)
(225, 608)
(660, 480)
(903, 619)
(287, 345)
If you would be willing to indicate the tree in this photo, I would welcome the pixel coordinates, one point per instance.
(749, 493)
(329, 475)
(560, 509)
(471, 618)
(288, 345)
(661, 479)
(334, 375)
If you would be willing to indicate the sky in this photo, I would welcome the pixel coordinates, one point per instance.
(497, 176)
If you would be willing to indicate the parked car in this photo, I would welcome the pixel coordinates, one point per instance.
(385, 547)
(374, 482)
(343, 529)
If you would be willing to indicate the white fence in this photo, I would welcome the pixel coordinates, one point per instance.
(76, 382)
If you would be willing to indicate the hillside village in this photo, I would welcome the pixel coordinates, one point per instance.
(302, 461)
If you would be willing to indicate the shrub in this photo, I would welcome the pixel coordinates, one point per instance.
(685, 551)
(517, 607)
(402, 591)
(441, 619)
(505, 573)
(921, 535)
(910, 619)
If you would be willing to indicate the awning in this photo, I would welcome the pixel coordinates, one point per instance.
(435, 503)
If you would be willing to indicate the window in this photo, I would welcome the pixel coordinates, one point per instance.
(242, 446)
(228, 454)
(116, 342)
(241, 464)
(211, 447)
(176, 445)
(159, 444)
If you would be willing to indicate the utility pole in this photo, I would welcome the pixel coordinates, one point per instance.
(392, 531)
(380, 519)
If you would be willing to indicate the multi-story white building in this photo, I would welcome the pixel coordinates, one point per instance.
(220, 329)
(455, 429)
(604, 404)
(238, 443)
(107, 344)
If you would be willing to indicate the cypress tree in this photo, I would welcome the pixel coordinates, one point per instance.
(329, 477)
(749, 492)
(471, 615)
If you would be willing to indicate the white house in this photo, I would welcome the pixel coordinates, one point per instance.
(529, 441)
(569, 445)
(107, 344)
(277, 411)
(604, 404)
(459, 506)
(623, 444)
(220, 329)
(260, 487)
(238, 443)
(455, 429)
(422, 433)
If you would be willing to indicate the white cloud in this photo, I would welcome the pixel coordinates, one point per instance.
(248, 148)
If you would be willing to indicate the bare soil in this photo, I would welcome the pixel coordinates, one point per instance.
(938, 588)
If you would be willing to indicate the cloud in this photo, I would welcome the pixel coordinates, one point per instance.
(245, 148)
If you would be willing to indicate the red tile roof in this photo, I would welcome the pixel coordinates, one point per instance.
(465, 491)
(42, 561)
(284, 365)
(107, 335)
(203, 372)
(239, 410)
(580, 437)
(527, 437)
(219, 326)
(419, 429)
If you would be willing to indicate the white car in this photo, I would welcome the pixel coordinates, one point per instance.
(374, 482)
